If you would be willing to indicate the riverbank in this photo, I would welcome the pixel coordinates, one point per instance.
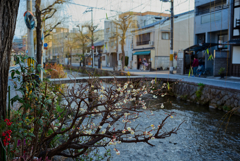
(217, 94)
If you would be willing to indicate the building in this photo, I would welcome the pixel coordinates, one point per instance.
(18, 48)
(234, 39)
(211, 30)
(153, 41)
(57, 44)
(112, 47)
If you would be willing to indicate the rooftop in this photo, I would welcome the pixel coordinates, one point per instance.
(166, 19)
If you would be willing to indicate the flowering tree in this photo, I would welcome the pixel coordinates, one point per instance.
(85, 117)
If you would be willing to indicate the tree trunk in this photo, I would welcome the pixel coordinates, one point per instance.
(8, 18)
(39, 32)
(123, 55)
(71, 56)
(83, 59)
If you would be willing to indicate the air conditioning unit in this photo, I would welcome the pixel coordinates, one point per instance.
(151, 43)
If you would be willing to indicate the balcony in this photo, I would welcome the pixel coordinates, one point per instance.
(142, 43)
(204, 2)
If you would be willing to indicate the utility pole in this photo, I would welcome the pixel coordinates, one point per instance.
(116, 66)
(30, 46)
(43, 50)
(92, 36)
(172, 37)
(171, 41)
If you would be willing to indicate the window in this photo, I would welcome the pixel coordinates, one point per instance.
(212, 17)
(103, 58)
(222, 39)
(236, 19)
(143, 39)
(165, 35)
(144, 22)
(112, 43)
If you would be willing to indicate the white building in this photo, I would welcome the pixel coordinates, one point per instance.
(112, 47)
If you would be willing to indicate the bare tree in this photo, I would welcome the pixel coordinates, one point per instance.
(8, 18)
(90, 115)
(83, 39)
(41, 16)
(71, 45)
(123, 24)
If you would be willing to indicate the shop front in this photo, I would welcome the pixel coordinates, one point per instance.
(140, 56)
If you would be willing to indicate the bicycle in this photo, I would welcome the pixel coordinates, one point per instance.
(206, 73)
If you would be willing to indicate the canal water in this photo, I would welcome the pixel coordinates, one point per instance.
(201, 136)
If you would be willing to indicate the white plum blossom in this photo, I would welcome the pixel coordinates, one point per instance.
(129, 129)
(162, 106)
(104, 131)
(70, 117)
(153, 127)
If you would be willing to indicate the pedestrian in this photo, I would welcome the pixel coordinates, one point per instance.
(144, 63)
(139, 63)
(195, 66)
(200, 67)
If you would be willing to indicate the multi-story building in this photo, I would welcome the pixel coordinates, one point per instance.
(112, 47)
(153, 41)
(234, 38)
(57, 44)
(211, 26)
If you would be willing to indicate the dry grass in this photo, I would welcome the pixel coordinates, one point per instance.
(56, 71)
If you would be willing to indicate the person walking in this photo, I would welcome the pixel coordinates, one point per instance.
(200, 67)
(195, 66)
(144, 63)
(139, 63)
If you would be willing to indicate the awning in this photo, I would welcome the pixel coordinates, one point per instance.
(201, 47)
(142, 53)
(232, 42)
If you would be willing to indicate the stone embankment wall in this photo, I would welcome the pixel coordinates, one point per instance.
(216, 97)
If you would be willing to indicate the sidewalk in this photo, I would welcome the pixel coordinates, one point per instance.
(227, 82)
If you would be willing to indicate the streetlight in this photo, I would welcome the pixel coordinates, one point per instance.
(171, 40)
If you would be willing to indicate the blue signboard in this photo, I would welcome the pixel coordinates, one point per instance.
(45, 45)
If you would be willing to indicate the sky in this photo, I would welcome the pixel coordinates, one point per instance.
(73, 12)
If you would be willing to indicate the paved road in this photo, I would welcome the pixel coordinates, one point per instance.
(230, 82)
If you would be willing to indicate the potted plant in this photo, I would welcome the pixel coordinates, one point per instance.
(221, 72)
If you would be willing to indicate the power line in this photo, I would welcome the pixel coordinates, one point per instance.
(102, 8)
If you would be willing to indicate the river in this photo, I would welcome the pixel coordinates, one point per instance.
(198, 138)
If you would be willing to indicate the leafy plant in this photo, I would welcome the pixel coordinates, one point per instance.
(199, 91)
(82, 122)
(221, 70)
